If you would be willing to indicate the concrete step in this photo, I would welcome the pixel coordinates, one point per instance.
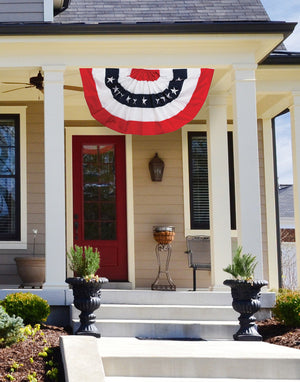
(133, 360)
(163, 312)
(180, 297)
(156, 314)
(130, 357)
(158, 379)
(155, 329)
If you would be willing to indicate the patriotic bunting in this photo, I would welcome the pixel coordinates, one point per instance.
(143, 101)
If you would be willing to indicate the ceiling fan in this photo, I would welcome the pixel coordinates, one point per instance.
(38, 83)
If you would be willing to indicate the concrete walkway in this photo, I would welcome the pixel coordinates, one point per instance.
(130, 359)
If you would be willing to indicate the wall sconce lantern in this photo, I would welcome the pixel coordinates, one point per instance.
(156, 167)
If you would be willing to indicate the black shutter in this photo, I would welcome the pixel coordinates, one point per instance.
(198, 171)
(231, 181)
(9, 177)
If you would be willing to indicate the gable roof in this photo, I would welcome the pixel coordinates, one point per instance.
(168, 11)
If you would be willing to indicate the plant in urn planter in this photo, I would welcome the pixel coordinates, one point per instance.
(245, 293)
(84, 262)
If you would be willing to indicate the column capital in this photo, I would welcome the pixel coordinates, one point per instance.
(54, 73)
(54, 68)
(247, 67)
(243, 72)
(295, 98)
(217, 99)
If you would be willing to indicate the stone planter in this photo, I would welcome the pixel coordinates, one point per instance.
(87, 298)
(246, 301)
(31, 270)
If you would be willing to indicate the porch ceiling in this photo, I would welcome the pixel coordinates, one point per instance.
(274, 89)
(24, 93)
(71, 77)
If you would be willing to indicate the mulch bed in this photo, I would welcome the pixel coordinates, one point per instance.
(276, 333)
(23, 351)
(272, 331)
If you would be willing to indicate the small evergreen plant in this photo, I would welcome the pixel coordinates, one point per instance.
(84, 261)
(242, 267)
(31, 308)
(10, 328)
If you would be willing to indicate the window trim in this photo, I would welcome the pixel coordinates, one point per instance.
(201, 127)
(21, 112)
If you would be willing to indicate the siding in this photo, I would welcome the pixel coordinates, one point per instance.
(154, 203)
(35, 195)
(21, 10)
(160, 203)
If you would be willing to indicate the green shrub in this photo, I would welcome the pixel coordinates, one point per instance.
(287, 307)
(10, 327)
(32, 308)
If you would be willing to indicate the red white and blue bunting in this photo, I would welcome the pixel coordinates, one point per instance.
(143, 101)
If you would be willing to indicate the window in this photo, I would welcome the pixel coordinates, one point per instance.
(198, 180)
(9, 177)
(198, 170)
(231, 181)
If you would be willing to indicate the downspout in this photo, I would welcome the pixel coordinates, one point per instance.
(278, 233)
(60, 6)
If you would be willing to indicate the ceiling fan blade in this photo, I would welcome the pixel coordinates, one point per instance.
(12, 90)
(16, 83)
(75, 88)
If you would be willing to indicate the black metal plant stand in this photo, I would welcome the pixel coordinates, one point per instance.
(163, 268)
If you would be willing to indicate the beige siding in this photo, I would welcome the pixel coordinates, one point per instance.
(160, 203)
(154, 203)
(21, 10)
(35, 194)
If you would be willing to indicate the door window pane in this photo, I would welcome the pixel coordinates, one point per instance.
(99, 192)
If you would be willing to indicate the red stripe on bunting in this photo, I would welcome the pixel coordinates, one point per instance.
(144, 74)
(144, 127)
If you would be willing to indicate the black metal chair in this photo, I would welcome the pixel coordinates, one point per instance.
(198, 250)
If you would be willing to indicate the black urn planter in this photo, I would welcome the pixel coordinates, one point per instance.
(246, 301)
(87, 298)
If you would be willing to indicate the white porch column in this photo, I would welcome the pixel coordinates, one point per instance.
(295, 129)
(270, 203)
(54, 177)
(221, 254)
(247, 164)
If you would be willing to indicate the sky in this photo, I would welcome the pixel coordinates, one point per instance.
(285, 10)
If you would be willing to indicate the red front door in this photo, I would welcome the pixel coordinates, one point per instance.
(99, 201)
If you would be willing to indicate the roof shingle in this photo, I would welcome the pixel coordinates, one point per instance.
(133, 11)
